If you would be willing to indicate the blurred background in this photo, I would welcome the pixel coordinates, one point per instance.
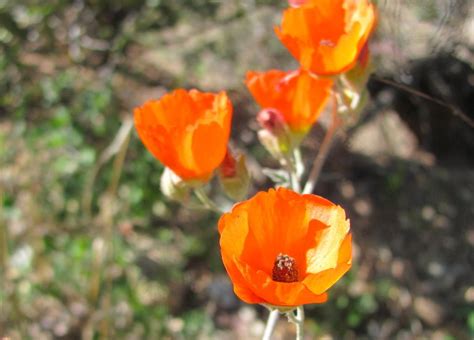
(89, 247)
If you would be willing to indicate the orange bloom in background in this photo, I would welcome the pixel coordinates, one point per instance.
(285, 249)
(187, 131)
(298, 95)
(326, 36)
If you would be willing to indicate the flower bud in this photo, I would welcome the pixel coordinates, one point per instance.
(228, 165)
(364, 56)
(234, 176)
(353, 104)
(173, 187)
(353, 93)
(275, 135)
(358, 76)
(272, 120)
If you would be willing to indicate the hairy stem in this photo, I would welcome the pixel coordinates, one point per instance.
(271, 323)
(293, 163)
(298, 320)
(294, 180)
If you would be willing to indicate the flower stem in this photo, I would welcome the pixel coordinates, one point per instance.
(324, 150)
(294, 180)
(298, 161)
(300, 324)
(298, 320)
(206, 201)
(271, 323)
(297, 167)
(293, 164)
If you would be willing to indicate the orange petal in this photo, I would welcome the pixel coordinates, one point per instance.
(241, 288)
(308, 228)
(320, 282)
(298, 95)
(277, 293)
(187, 131)
(325, 255)
(327, 36)
(209, 145)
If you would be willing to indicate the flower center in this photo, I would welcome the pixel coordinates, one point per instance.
(284, 269)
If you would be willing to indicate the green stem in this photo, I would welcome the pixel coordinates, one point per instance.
(298, 159)
(271, 323)
(297, 164)
(293, 161)
(300, 324)
(295, 182)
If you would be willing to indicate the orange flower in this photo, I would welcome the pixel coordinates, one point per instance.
(326, 36)
(187, 131)
(285, 249)
(298, 95)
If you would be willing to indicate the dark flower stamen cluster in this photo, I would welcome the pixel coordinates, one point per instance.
(284, 269)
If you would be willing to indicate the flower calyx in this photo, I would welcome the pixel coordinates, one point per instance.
(234, 176)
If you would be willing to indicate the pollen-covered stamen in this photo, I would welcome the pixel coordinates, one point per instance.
(284, 269)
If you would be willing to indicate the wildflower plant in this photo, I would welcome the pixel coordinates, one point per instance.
(285, 247)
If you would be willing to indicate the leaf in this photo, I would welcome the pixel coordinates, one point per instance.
(280, 177)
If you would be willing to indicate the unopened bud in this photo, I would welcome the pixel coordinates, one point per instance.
(275, 134)
(353, 94)
(234, 176)
(358, 76)
(352, 105)
(173, 187)
(228, 165)
(271, 120)
(364, 56)
(271, 143)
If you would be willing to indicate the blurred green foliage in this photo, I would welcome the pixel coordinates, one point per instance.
(57, 118)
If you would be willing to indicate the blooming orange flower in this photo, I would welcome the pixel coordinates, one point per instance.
(187, 131)
(285, 249)
(326, 36)
(298, 95)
